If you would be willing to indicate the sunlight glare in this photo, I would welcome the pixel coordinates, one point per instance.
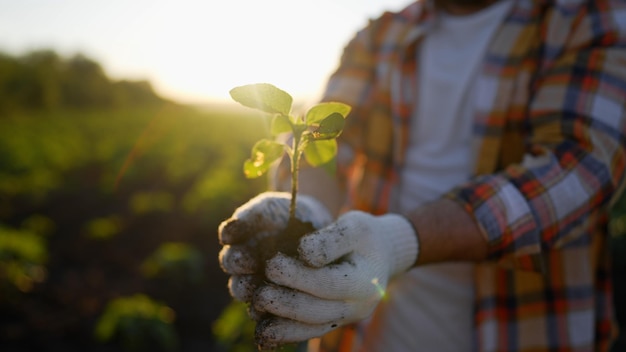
(195, 51)
(379, 288)
(217, 47)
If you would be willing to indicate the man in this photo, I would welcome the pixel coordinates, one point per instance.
(476, 170)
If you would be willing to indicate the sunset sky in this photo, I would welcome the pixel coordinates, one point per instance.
(195, 51)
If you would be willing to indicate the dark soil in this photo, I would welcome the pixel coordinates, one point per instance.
(287, 243)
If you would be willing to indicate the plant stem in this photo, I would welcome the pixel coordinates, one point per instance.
(295, 168)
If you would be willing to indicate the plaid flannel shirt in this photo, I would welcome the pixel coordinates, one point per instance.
(549, 134)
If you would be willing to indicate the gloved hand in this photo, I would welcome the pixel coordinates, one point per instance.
(261, 218)
(340, 278)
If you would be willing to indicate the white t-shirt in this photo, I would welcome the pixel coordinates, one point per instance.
(430, 308)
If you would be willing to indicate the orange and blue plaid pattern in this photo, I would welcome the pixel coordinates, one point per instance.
(549, 133)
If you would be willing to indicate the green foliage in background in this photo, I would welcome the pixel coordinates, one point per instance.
(107, 190)
(190, 148)
(176, 261)
(140, 323)
(147, 202)
(44, 80)
(103, 228)
(100, 203)
(234, 331)
(23, 254)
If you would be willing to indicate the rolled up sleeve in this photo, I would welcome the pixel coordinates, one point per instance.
(559, 195)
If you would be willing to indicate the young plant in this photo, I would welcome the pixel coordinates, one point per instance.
(312, 135)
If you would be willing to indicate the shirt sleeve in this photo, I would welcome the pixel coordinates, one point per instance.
(353, 83)
(559, 194)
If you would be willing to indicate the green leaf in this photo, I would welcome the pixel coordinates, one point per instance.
(264, 153)
(280, 124)
(264, 97)
(330, 127)
(318, 152)
(319, 112)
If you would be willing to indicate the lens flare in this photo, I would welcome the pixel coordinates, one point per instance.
(381, 290)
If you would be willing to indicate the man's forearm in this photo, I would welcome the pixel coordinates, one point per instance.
(447, 233)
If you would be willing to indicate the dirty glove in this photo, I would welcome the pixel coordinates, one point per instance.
(341, 277)
(259, 219)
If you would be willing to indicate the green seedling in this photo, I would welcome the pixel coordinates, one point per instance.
(313, 135)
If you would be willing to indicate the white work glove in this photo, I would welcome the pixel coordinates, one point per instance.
(341, 276)
(260, 219)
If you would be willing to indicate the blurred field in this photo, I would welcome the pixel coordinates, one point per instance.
(110, 199)
(98, 205)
